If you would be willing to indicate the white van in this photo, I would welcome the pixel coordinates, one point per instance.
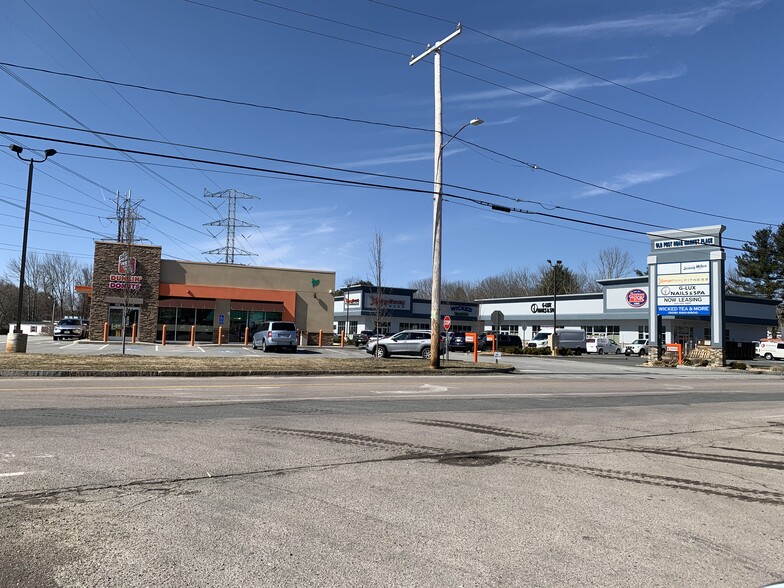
(568, 338)
(602, 345)
(772, 349)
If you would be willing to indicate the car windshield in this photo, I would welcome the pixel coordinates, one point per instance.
(541, 336)
(283, 327)
(69, 322)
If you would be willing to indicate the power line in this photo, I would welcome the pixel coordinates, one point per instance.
(531, 96)
(528, 81)
(157, 177)
(585, 72)
(469, 144)
(340, 180)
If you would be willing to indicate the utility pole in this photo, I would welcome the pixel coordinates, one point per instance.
(230, 222)
(435, 297)
(555, 267)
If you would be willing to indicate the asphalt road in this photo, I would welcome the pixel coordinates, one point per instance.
(574, 473)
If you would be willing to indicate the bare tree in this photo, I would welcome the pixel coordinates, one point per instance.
(376, 276)
(614, 262)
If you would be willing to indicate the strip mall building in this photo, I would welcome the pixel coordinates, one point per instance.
(208, 297)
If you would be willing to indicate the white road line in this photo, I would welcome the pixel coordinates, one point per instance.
(252, 399)
(10, 474)
(104, 347)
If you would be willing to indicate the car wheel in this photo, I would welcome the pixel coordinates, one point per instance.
(426, 353)
(264, 346)
(643, 352)
(617, 350)
(601, 351)
(768, 356)
(381, 351)
(253, 344)
(294, 349)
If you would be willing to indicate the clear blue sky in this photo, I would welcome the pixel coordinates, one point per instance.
(720, 58)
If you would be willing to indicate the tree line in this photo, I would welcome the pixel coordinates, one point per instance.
(50, 289)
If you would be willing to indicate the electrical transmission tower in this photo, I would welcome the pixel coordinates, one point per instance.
(230, 222)
(127, 217)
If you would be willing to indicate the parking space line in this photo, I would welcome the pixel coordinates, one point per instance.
(10, 474)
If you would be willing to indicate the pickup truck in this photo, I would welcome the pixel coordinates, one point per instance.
(362, 338)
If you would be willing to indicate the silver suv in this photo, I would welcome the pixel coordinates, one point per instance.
(403, 343)
(70, 328)
(276, 334)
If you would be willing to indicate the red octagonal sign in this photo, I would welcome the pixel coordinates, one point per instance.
(447, 322)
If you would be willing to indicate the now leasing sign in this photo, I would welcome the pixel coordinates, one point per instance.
(683, 289)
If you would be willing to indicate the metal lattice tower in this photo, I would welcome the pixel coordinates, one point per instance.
(230, 222)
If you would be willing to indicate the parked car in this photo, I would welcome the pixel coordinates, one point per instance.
(276, 334)
(362, 338)
(638, 347)
(601, 345)
(414, 342)
(457, 342)
(501, 340)
(71, 328)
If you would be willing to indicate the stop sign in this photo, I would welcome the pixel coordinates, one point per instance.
(447, 322)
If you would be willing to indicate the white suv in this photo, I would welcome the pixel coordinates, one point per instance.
(70, 328)
(404, 343)
(638, 347)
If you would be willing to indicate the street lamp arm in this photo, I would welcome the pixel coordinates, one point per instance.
(474, 122)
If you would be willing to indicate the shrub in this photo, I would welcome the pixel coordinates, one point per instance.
(737, 365)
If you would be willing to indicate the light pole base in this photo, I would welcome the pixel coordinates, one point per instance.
(16, 343)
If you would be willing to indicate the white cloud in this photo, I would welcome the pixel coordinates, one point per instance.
(627, 180)
(665, 24)
(569, 85)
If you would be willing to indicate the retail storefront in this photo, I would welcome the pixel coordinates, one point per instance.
(362, 309)
(622, 311)
(206, 298)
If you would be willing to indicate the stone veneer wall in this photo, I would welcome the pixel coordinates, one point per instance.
(148, 267)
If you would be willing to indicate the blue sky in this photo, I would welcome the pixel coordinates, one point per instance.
(720, 59)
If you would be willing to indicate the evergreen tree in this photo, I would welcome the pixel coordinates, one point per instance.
(760, 268)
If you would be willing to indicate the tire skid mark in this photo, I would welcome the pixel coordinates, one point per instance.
(684, 454)
(727, 491)
(353, 439)
(757, 452)
(477, 428)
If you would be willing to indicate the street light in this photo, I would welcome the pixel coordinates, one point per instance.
(435, 297)
(19, 342)
(555, 267)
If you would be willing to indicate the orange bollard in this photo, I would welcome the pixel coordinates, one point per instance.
(163, 335)
(474, 338)
(133, 333)
(247, 332)
(193, 335)
(321, 334)
(106, 332)
(220, 335)
(343, 338)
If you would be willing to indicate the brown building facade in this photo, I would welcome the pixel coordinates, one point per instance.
(201, 298)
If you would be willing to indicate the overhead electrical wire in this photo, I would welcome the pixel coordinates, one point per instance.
(528, 81)
(359, 121)
(586, 72)
(491, 205)
(158, 178)
(531, 166)
(513, 90)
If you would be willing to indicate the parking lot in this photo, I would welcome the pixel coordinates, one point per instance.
(77, 347)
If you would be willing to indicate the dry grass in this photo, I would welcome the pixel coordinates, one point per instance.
(128, 365)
